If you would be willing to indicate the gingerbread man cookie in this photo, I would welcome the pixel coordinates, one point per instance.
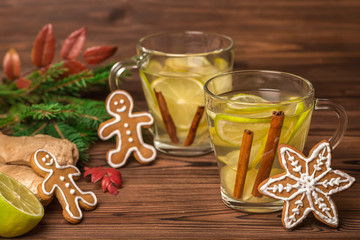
(126, 126)
(306, 185)
(61, 181)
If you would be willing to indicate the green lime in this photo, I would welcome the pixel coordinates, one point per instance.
(293, 122)
(148, 92)
(230, 129)
(300, 123)
(20, 211)
(251, 105)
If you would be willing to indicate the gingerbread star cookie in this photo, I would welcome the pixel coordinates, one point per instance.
(126, 127)
(306, 185)
(60, 181)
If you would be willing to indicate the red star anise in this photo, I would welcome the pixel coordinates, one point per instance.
(111, 178)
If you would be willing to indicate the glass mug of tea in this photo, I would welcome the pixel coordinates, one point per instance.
(173, 69)
(249, 101)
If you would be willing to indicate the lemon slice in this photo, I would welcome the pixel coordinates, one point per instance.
(221, 64)
(154, 66)
(259, 110)
(248, 98)
(242, 106)
(257, 151)
(179, 74)
(230, 129)
(228, 176)
(183, 96)
(186, 63)
(20, 211)
(194, 66)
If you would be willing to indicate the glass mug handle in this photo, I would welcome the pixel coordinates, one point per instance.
(117, 70)
(325, 104)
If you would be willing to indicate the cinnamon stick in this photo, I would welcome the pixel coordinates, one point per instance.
(243, 163)
(194, 125)
(271, 145)
(167, 119)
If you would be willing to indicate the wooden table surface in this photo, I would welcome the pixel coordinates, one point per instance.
(177, 197)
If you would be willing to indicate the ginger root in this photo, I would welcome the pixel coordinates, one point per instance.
(15, 153)
(18, 150)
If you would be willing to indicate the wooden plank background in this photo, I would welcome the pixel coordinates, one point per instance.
(179, 197)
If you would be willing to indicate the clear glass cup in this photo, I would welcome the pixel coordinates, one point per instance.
(247, 100)
(175, 66)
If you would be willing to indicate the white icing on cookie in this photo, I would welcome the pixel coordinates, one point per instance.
(51, 162)
(307, 185)
(126, 125)
(120, 110)
(55, 186)
(62, 178)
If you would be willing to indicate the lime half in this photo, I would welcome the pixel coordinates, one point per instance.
(20, 211)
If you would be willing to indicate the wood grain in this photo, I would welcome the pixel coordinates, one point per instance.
(179, 198)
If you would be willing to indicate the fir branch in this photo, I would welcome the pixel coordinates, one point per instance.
(39, 129)
(6, 121)
(54, 111)
(52, 105)
(9, 95)
(58, 130)
(10, 90)
(29, 129)
(71, 85)
(42, 76)
(81, 136)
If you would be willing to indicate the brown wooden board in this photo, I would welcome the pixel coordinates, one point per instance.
(177, 197)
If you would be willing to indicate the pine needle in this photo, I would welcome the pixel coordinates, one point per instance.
(53, 105)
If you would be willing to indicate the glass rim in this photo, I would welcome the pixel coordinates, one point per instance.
(309, 94)
(217, 51)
